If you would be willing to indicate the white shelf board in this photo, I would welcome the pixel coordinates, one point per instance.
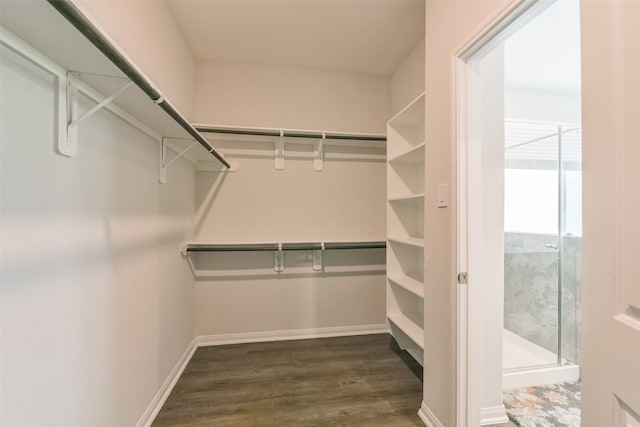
(410, 284)
(260, 145)
(410, 329)
(411, 198)
(414, 155)
(411, 241)
(411, 115)
(268, 241)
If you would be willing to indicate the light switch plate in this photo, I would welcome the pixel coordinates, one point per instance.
(443, 195)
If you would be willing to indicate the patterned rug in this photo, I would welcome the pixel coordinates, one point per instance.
(555, 405)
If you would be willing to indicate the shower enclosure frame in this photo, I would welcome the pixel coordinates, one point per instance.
(562, 370)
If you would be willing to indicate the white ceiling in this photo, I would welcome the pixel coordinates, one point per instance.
(545, 54)
(366, 36)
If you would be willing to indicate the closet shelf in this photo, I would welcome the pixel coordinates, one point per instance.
(411, 115)
(405, 225)
(410, 329)
(289, 246)
(75, 45)
(410, 284)
(411, 198)
(414, 155)
(410, 241)
(289, 133)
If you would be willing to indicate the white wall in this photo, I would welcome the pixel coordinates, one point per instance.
(238, 94)
(148, 34)
(541, 105)
(97, 303)
(241, 293)
(448, 26)
(407, 81)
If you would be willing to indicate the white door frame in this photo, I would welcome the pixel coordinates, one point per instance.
(514, 15)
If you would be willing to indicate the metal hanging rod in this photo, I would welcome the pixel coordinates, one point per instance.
(289, 134)
(67, 9)
(272, 247)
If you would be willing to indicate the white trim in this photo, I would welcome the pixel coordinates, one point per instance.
(540, 376)
(514, 15)
(161, 397)
(493, 415)
(428, 417)
(464, 352)
(295, 334)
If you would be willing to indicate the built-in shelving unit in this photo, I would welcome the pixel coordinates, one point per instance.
(406, 153)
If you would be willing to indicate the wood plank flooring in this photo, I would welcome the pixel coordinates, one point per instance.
(346, 381)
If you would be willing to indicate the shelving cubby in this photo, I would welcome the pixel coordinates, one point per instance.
(406, 152)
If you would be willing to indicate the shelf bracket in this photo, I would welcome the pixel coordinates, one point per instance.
(279, 152)
(69, 147)
(200, 166)
(278, 259)
(318, 153)
(317, 262)
(164, 158)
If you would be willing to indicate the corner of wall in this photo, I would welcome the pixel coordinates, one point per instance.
(408, 81)
(165, 390)
(428, 417)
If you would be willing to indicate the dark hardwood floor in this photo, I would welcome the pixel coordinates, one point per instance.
(346, 381)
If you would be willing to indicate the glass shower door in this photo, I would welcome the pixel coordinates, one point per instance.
(532, 292)
(571, 253)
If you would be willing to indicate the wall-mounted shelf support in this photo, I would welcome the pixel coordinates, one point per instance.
(165, 162)
(72, 13)
(278, 259)
(280, 137)
(317, 261)
(318, 153)
(278, 249)
(279, 153)
(69, 146)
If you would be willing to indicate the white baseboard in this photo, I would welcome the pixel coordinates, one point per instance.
(295, 334)
(541, 376)
(428, 417)
(493, 415)
(160, 398)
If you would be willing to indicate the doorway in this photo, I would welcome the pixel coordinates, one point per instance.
(521, 146)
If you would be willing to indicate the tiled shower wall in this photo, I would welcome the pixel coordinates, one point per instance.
(531, 291)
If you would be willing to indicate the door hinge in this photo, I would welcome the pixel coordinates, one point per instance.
(463, 278)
